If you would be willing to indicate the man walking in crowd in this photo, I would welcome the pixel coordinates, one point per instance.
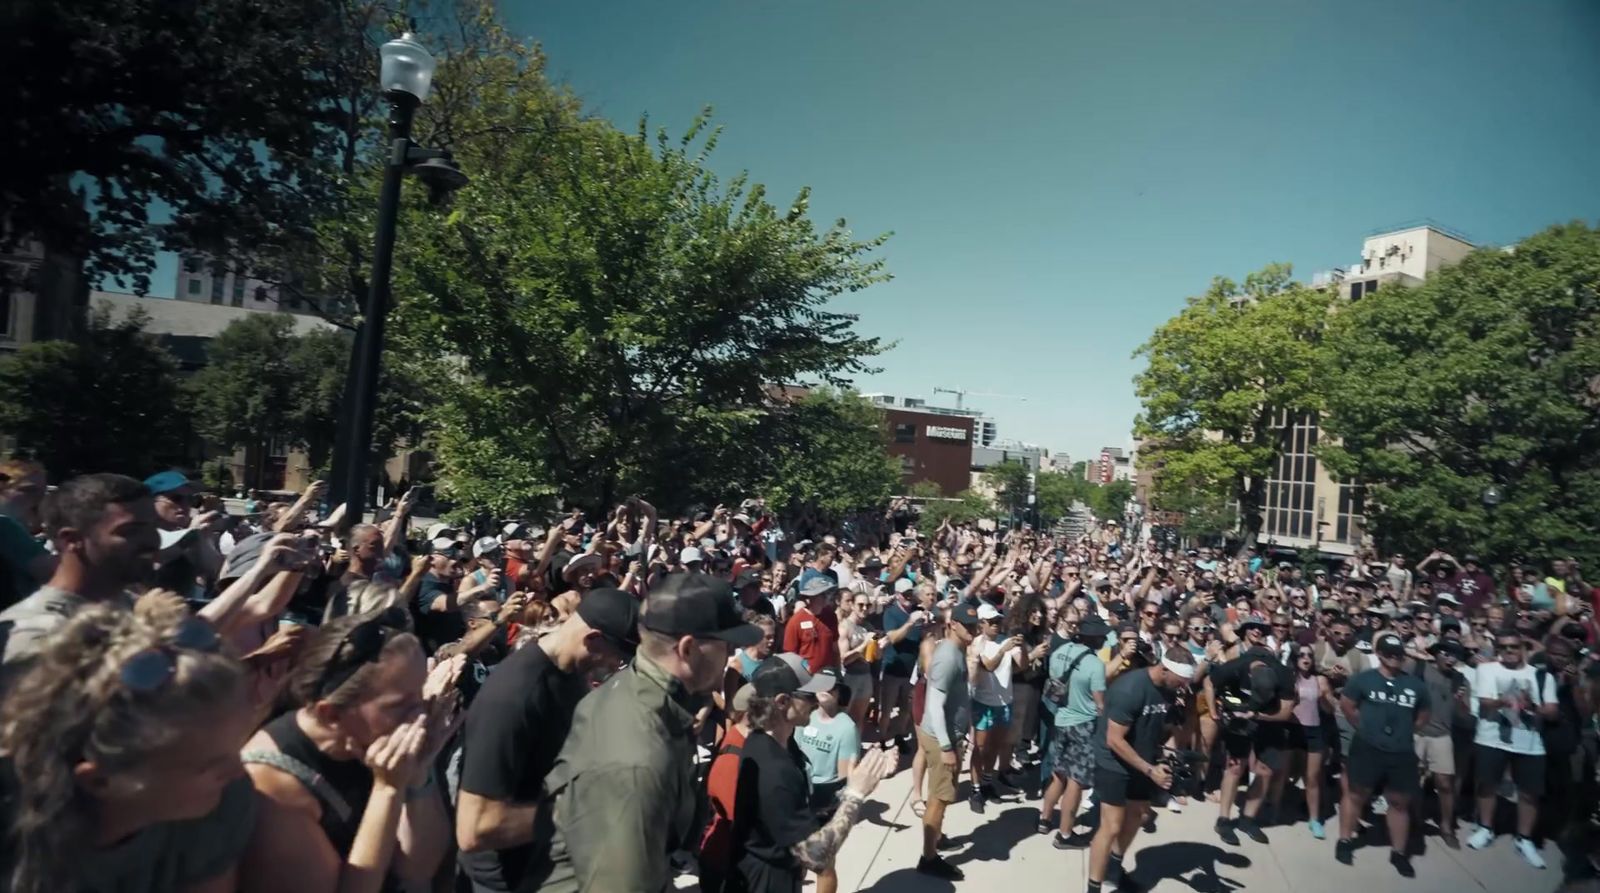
(1252, 698)
(1128, 739)
(946, 716)
(1385, 706)
(1077, 678)
(1448, 692)
(515, 729)
(622, 791)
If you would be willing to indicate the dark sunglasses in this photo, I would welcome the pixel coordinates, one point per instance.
(360, 646)
(151, 669)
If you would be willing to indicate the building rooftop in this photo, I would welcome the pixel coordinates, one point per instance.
(169, 316)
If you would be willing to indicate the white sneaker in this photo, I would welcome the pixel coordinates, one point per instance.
(1529, 852)
(1480, 838)
(1380, 805)
(1175, 805)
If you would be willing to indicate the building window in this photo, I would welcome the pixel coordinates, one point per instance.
(905, 432)
(191, 265)
(238, 290)
(1291, 490)
(216, 286)
(1372, 287)
(194, 286)
(908, 465)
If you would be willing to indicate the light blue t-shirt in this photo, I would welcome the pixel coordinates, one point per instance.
(1088, 677)
(827, 741)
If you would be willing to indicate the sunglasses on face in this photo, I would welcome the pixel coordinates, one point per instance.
(362, 645)
(151, 669)
(1508, 646)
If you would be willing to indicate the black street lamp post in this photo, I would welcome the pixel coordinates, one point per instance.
(406, 74)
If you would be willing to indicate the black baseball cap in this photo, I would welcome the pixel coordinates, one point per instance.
(1390, 646)
(614, 614)
(1093, 628)
(748, 577)
(786, 674)
(964, 614)
(698, 605)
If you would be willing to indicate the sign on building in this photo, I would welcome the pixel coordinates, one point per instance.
(944, 433)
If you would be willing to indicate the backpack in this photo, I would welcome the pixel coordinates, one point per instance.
(721, 845)
(1560, 736)
(1055, 690)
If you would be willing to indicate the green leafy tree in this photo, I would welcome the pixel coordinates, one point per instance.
(111, 402)
(248, 393)
(619, 314)
(320, 360)
(966, 507)
(827, 450)
(225, 114)
(1488, 373)
(1110, 501)
(1057, 492)
(1221, 378)
(1009, 481)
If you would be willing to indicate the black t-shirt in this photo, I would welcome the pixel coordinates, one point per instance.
(514, 731)
(774, 795)
(1388, 708)
(1234, 676)
(1133, 700)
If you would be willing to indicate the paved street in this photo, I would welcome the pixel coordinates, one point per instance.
(1001, 852)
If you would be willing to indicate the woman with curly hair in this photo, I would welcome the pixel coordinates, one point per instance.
(1027, 618)
(124, 738)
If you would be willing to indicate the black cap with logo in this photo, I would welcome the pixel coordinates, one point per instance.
(698, 605)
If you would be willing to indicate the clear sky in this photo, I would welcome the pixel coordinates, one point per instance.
(1059, 174)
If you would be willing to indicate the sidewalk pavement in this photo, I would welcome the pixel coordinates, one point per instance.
(1000, 851)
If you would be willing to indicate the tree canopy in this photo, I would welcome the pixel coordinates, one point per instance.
(111, 400)
(1488, 373)
(827, 450)
(1222, 376)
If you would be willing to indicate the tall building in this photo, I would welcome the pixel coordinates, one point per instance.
(43, 295)
(1114, 465)
(930, 447)
(1305, 506)
(202, 280)
(984, 430)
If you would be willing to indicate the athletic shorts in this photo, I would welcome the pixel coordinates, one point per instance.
(1074, 754)
(860, 687)
(987, 717)
(1375, 771)
(1527, 770)
(1267, 741)
(1436, 754)
(941, 778)
(1117, 789)
(1310, 739)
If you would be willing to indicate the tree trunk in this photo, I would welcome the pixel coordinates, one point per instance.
(1250, 496)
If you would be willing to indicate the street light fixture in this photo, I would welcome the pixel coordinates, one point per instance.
(1491, 496)
(406, 75)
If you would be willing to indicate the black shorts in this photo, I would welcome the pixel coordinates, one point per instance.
(1527, 770)
(1117, 789)
(1374, 771)
(1267, 740)
(1307, 738)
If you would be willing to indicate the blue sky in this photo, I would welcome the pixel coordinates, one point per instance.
(1059, 175)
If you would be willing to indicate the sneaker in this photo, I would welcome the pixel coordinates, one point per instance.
(1248, 827)
(1529, 852)
(1043, 826)
(1175, 805)
(1345, 851)
(976, 802)
(946, 844)
(1480, 838)
(1402, 863)
(939, 868)
(1149, 826)
(1127, 884)
(1075, 842)
(1225, 831)
(1380, 805)
(1317, 829)
(988, 791)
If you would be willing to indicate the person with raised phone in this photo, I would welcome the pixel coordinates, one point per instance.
(1128, 771)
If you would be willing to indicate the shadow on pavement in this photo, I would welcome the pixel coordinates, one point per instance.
(997, 836)
(873, 812)
(1171, 861)
(907, 880)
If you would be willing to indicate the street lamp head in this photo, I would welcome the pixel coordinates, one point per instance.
(441, 176)
(1491, 496)
(406, 68)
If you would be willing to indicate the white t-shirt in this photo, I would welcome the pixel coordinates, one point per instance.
(1519, 688)
(994, 688)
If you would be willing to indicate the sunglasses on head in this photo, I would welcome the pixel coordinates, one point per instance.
(151, 669)
(362, 645)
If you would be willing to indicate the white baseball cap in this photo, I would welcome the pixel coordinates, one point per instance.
(987, 611)
(903, 584)
(690, 554)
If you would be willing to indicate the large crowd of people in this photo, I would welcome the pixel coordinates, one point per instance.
(282, 698)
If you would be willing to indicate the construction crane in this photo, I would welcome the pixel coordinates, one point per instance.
(961, 394)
